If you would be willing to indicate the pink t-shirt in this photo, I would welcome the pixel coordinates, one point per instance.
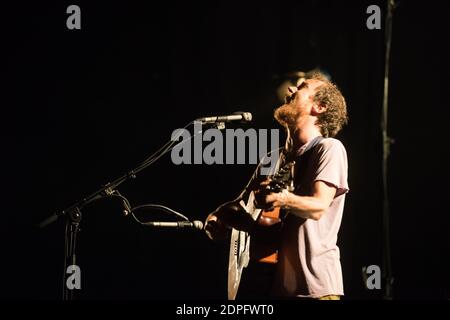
(309, 261)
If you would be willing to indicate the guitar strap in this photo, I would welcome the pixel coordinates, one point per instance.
(301, 162)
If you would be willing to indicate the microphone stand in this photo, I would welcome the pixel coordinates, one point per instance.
(74, 214)
(74, 217)
(72, 229)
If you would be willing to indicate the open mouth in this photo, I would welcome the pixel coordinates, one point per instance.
(288, 99)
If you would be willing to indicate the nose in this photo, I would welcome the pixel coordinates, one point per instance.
(290, 94)
(292, 90)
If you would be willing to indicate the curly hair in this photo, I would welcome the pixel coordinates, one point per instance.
(329, 96)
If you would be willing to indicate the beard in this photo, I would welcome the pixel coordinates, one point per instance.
(286, 115)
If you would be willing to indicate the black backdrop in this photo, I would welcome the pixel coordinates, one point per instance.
(83, 106)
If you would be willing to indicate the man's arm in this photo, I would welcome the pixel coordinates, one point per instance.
(307, 207)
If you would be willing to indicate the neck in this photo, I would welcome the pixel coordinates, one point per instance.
(303, 134)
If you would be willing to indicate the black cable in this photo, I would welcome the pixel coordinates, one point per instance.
(159, 207)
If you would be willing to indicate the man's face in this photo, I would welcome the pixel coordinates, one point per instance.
(298, 102)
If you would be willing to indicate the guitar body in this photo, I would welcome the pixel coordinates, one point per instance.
(238, 260)
(264, 245)
(239, 254)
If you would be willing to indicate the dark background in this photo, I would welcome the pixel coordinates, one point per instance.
(81, 107)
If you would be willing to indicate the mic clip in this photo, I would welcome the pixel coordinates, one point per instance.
(220, 125)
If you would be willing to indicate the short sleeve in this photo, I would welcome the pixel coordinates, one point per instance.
(332, 165)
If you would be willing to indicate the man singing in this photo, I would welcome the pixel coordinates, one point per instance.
(308, 256)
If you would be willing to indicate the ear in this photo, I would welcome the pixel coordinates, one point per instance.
(317, 109)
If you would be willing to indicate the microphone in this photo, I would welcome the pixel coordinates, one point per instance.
(177, 224)
(237, 116)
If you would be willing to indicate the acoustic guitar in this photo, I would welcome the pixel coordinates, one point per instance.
(261, 245)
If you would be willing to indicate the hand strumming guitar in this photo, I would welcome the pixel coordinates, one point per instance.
(232, 215)
(228, 215)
